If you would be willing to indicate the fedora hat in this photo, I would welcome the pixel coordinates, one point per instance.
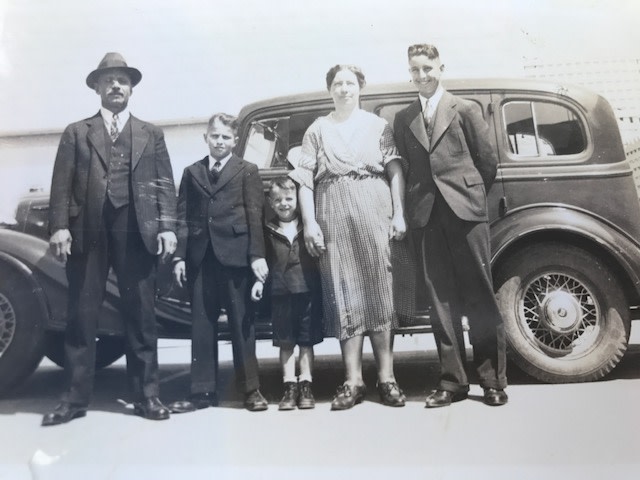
(113, 61)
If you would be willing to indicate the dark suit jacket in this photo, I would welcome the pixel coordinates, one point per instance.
(226, 214)
(459, 159)
(79, 182)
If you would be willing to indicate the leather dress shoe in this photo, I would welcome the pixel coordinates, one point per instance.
(151, 408)
(195, 401)
(348, 396)
(255, 402)
(494, 397)
(63, 413)
(444, 398)
(204, 400)
(391, 394)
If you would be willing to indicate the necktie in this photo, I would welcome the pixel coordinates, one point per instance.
(215, 171)
(427, 122)
(113, 132)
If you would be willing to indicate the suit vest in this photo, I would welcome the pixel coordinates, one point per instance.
(119, 173)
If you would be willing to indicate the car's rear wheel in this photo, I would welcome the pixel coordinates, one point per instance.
(566, 317)
(108, 349)
(21, 328)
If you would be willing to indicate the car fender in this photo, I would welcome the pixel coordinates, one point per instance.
(27, 274)
(551, 221)
(48, 273)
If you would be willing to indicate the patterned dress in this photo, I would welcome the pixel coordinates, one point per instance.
(354, 209)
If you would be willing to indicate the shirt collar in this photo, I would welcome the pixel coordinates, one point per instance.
(107, 117)
(223, 162)
(433, 100)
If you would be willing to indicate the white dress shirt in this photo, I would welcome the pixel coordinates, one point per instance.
(433, 103)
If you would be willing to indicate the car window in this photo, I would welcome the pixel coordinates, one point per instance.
(274, 143)
(542, 129)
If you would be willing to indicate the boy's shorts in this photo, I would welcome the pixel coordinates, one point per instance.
(297, 319)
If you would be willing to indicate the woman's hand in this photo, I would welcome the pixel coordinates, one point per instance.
(314, 239)
(398, 227)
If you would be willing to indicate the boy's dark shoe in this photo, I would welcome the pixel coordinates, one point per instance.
(391, 394)
(63, 413)
(495, 397)
(195, 401)
(255, 402)
(305, 395)
(151, 408)
(203, 400)
(290, 397)
(348, 396)
(444, 398)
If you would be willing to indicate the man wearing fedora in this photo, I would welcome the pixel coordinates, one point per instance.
(113, 205)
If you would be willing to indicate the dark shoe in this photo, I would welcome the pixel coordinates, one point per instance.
(181, 406)
(305, 395)
(444, 398)
(203, 400)
(494, 397)
(290, 397)
(255, 402)
(348, 396)
(63, 413)
(151, 408)
(391, 394)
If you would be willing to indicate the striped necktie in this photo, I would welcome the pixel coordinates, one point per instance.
(113, 132)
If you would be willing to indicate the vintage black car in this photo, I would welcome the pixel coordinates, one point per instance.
(565, 224)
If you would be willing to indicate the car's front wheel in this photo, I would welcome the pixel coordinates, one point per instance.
(21, 327)
(566, 316)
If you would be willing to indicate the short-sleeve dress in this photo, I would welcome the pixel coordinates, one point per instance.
(354, 209)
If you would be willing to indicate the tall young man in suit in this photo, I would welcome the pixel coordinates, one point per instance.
(113, 204)
(220, 247)
(450, 166)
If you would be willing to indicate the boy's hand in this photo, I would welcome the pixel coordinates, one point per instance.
(180, 272)
(260, 269)
(314, 239)
(256, 291)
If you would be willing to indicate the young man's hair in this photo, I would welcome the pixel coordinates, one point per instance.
(418, 49)
(283, 183)
(333, 71)
(225, 119)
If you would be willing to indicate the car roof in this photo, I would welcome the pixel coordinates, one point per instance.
(580, 94)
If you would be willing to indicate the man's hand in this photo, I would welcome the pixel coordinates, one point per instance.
(256, 291)
(180, 272)
(314, 239)
(167, 244)
(260, 269)
(60, 244)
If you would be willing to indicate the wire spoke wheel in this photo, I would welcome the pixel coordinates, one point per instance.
(565, 315)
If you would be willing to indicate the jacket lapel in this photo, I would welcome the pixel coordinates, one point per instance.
(445, 114)
(139, 140)
(416, 124)
(96, 137)
(230, 170)
(200, 172)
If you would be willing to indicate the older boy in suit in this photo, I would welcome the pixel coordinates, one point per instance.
(451, 164)
(220, 244)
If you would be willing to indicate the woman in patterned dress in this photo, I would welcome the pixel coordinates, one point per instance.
(351, 191)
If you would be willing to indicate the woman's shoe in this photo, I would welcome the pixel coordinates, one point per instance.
(348, 396)
(391, 394)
